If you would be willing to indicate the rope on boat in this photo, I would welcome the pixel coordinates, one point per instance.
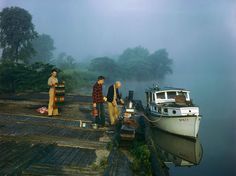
(152, 121)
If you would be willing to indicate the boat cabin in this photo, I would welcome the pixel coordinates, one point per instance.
(167, 95)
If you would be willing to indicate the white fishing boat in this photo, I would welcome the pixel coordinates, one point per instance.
(172, 110)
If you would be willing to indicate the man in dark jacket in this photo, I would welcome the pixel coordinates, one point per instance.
(112, 97)
(98, 100)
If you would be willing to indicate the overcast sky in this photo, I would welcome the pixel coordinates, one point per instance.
(193, 31)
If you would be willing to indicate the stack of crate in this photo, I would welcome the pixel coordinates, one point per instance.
(60, 94)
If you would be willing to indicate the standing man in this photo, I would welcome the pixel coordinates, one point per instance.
(98, 100)
(112, 97)
(52, 82)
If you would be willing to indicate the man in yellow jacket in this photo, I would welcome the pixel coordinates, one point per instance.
(52, 82)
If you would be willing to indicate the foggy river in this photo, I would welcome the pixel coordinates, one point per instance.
(214, 94)
(199, 37)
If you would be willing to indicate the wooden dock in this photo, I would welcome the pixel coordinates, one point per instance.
(44, 146)
(34, 144)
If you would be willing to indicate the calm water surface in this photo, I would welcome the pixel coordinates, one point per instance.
(215, 95)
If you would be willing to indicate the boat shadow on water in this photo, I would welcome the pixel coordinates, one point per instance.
(175, 150)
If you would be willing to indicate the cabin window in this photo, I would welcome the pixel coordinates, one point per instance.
(147, 96)
(183, 93)
(165, 110)
(161, 95)
(153, 97)
(171, 95)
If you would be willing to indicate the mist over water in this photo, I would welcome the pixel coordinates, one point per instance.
(200, 37)
(214, 93)
(87, 29)
(215, 96)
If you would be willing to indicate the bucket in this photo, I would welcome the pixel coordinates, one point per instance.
(84, 125)
(94, 126)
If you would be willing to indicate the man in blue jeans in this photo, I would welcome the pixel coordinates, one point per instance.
(98, 100)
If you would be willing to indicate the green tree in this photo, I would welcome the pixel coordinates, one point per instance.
(16, 34)
(133, 64)
(64, 61)
(129, 55)
(138, 64)
(138, 70)
(70, 61)
(160, 63)
(105, 66)
(43, 46)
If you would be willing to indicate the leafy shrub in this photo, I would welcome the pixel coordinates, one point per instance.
(141, 163)
(15, 77)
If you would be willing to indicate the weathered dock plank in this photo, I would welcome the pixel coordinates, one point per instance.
(119, 164)
(21, 155)
(43, 159)
(34, 144)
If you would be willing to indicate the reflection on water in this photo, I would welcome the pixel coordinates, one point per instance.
(177, 150)
(215, 95)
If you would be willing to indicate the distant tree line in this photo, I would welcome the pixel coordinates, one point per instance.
(27, 59)
(134, 64)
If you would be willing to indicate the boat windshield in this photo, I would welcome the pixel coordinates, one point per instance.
(161, 95)
(171, 95)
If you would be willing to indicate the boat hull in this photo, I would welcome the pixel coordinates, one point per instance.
(183, 125)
